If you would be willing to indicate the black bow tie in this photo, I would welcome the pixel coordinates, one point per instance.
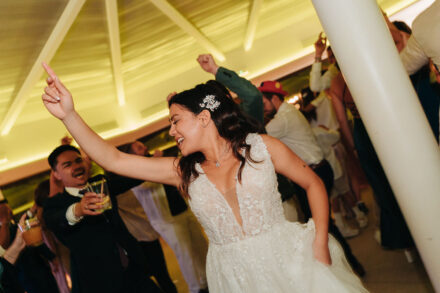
(83, 191)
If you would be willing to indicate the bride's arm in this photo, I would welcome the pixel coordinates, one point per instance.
(290, 165)
(59, 103)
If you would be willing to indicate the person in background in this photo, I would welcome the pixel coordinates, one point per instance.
(6, 222)
(250, 98)
(34, 267)
(291, 127)
(424, 43)
(170, 217)
(104, 256)
(320, 83)
(428, 91)
(329, 141)
(138, 224)
(9, 282)
(59, 261)
(31, 266)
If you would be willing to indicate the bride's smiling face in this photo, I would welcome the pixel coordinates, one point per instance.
(186, 128)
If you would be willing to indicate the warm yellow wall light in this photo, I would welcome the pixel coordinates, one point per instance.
(401, 5)
(156, 116)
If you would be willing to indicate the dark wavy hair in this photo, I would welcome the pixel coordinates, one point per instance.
(41, 193)
(231, 123)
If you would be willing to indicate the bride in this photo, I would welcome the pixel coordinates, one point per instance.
(227, 172)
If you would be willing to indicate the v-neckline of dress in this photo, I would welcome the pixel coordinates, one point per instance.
(224, 199)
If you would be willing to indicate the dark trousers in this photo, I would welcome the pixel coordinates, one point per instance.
(394, 231)
(34, 272)
(325, 172)
(135, 281)
(9, 278)
(156, 265)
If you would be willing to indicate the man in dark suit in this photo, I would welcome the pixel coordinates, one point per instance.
(104, 256)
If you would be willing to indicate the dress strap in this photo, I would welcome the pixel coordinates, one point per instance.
(258, 148)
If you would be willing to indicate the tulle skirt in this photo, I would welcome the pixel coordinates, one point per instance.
(279, 261)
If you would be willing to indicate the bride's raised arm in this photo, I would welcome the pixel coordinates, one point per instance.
(59, 103)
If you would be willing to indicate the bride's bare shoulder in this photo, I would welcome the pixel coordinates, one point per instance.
(270, 141)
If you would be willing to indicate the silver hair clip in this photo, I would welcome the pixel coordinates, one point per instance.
(209, 102)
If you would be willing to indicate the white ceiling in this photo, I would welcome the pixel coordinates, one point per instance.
(138, 52)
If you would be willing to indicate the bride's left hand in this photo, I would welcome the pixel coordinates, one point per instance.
(322, 252)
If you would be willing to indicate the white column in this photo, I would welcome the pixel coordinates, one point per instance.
(392, 115)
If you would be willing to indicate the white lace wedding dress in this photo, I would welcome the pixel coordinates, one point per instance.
(267, 253)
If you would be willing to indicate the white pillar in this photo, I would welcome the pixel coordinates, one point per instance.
(392, 115)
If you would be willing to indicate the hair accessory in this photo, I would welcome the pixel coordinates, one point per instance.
(209, 102)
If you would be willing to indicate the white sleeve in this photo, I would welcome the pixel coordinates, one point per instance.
(315, 77)
(322, 82)
(276, 127)
(318, 100)
(70, 215)
(413, 57)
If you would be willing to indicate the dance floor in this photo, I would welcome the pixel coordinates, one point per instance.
(386, 271)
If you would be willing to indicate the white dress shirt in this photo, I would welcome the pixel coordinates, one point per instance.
(70, 214)
(424, 42)
(325, 114)
(292, 128)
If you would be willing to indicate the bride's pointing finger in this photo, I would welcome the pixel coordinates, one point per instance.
(54, 82)
(49, 71)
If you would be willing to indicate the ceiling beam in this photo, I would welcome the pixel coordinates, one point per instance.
(188, 27)
(111, 8)
(53, 42)
(252, 24)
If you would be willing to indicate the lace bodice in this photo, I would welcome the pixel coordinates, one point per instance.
(258, 198)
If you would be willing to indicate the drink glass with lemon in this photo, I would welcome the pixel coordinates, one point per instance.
(100, 187)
